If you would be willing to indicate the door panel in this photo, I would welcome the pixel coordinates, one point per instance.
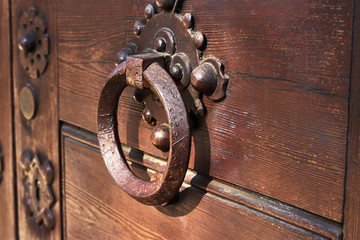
(38, 136)
(284, 120)
(7, 188)
(94, 205)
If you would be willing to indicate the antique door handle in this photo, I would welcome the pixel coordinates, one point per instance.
(133, 72)
(169, 62)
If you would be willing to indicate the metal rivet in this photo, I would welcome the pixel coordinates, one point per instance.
(149, 11)
(138, 26)
(27, 43)
(176, 72)
(204, 78)
(187, 20)
(28, 210)
(199, 108)
(28, 102)
(26, 159)
(160, 137)
(147, 116)
(199, 40)
(160, 44)
(49, 219)
(165, 4)
(122, 55)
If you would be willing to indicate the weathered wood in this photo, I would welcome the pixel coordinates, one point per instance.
(95, 206)
(281, 131)
(352, 194)
(39, 135)
(7, 188)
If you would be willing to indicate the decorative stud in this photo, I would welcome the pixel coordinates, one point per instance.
(28, 102)
(149, 11)
(199, 40)
(165, 4)
(204, 78)
(38, 198)
(27, 43)
(160, 44)
(33, 42)
(176, 71)
(138, 26)
(147, 116)
(187, 20)
(160, 137)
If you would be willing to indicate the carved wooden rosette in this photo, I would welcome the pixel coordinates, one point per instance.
(38, 198)
(33, 42)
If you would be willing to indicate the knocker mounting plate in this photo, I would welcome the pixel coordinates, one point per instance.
(163, 30)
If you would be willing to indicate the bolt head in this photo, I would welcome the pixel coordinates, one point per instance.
(176, 72)
(138, 26)
(27, 202)
(122, 55)
(147, 116)
(187, 20)
(160, 44)
(149, 11)
(160, 137)
(199, 40)
(204, 78)
(165, 4)
(27, 43)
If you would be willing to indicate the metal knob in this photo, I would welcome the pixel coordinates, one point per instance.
(27, 43)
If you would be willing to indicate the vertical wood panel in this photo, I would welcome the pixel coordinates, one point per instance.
(352, 194)
(7, 194)
(39, 135)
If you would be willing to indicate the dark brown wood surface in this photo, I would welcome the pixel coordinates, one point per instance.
(7, 188)
(282, 129)
(39, 135)
(352, 194)
(94, 205)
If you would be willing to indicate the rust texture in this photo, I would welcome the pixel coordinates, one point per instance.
(164, 189)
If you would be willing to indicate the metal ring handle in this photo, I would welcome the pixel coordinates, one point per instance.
(160, 82)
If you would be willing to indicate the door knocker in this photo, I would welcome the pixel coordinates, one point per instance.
(165, 64)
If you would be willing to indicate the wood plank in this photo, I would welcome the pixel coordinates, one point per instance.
(258, 202)
(7, 188)
(352, 194)
(284, 120)
(39, 135)
(95, 206)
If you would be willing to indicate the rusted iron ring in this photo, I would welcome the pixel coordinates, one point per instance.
(160, 82)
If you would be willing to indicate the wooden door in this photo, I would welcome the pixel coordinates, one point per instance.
(269, 161)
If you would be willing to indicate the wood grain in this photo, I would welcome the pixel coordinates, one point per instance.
(352, 194)
(95, 206)
(147, 165)
(39, 135)
(281, 131)
(7, 188)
